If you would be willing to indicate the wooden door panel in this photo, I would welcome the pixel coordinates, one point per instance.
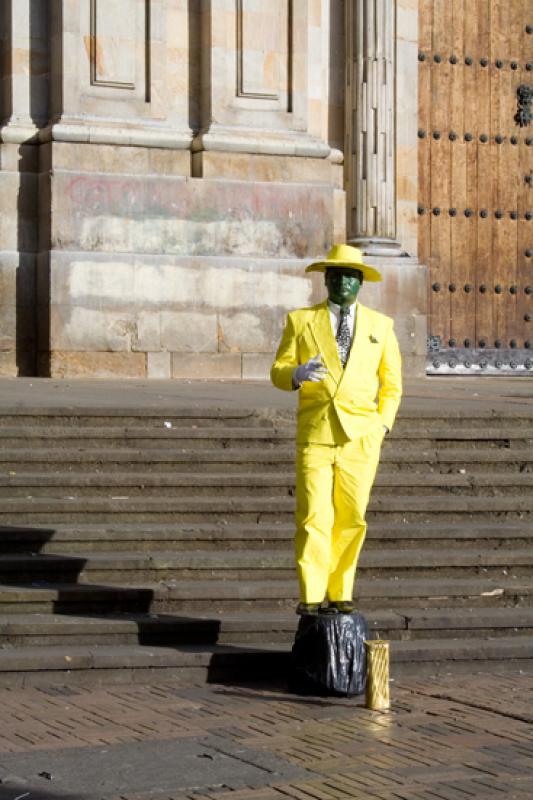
(476, 184)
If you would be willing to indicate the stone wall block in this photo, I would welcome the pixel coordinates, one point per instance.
(189, 331)
(159, 365)
(17, 328)
(402, 290)
(8, 327)
(17, 279)
(257, 167)
(17, 363)
(256, 366)
(177, 284)
(96, 365)
(15, 158)
(207, 366)
(254, 330)
(147, 335)
(86, 329)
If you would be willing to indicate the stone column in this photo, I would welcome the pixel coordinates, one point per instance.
(370, 152)
(25, 80)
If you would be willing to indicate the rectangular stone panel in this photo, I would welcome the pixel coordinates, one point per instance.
(113, 43)
(262, 52)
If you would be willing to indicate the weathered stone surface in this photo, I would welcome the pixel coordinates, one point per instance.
(19, 158)
(172, 304)
(158, 365)
(402, 289)
(18, 211)
(17, 327)
(8, 364)
(256, 366)
(190, 217)
(254, 167)
(148, 330)
(166, 282)
(114, 158)
(87, 329)
(96, 365)
(17, 278)
(207, 366)
(255, 329)
(13, 363)
(189, 332)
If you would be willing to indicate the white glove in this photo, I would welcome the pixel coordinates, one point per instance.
(313, 370)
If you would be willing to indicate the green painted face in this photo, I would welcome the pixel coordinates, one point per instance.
(343, 284)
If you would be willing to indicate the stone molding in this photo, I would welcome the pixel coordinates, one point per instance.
(215, 139)
(139, 134)
(262, 142)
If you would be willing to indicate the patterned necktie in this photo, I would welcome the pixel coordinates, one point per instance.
(344, 340)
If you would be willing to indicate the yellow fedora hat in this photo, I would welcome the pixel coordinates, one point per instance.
(344, 255)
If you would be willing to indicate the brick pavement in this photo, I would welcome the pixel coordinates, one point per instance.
(453, 738)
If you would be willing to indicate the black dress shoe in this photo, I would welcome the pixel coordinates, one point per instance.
(343, 606)
(307, 608)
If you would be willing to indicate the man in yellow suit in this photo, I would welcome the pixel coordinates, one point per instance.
(344, 360)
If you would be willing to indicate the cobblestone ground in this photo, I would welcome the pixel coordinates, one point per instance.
(451, 738)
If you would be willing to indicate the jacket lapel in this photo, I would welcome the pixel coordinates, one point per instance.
(325, 341)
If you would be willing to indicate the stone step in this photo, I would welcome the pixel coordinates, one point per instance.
(279, 483)
(186, 596)
(372, 593)
(93, 537)
(204, 437)
(396, 508)
(28, 630)
(155, 459)
(162, 436)
(239, 565)
(453, 416)
(92, 665)
(412, 411)
(111, 417)
(465, 655)
(235, 459)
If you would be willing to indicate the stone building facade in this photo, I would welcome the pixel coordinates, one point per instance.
(168, 167)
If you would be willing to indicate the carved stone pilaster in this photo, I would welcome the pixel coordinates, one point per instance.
(371, 184)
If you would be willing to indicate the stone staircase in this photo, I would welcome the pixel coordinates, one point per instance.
(147, 547)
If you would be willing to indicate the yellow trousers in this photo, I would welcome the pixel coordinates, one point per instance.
(333, 484)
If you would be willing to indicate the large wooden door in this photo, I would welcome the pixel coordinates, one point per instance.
(476, 184)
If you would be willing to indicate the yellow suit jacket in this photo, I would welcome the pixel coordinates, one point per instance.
(349, 402)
